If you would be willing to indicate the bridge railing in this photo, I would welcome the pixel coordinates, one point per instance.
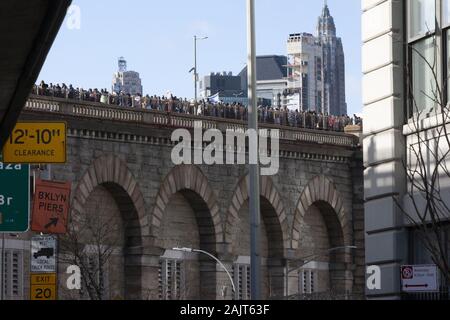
(94, 110)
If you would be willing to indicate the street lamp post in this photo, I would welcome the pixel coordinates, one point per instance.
(308, 259)
(190, 250)
(195, 65)
(254, 194)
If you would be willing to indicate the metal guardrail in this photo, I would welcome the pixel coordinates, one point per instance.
(152, 117)
(323, 296)
(442, 295)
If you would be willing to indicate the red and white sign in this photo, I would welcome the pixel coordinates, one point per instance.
(51, 207)
(419, 278)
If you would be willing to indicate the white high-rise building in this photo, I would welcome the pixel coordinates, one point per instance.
(125, 81)
(304, 72)
(316, 69)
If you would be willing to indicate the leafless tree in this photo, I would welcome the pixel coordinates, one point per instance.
(427, 202)
(90, 243)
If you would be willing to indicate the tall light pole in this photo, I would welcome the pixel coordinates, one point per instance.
(195, 65)
(189, 250)
(255, 211)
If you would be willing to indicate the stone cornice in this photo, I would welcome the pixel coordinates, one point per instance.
(294, 143)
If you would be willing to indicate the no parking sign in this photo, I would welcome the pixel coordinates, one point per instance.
(419, 278)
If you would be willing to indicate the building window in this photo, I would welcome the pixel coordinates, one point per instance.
(307, 281)
(170, 279)
(420, 254)
(423, 64)
(426, 52)
(422, 17)
(318, 69)
(448, 63)
(12, 268)
(446, 13)
(242, 279)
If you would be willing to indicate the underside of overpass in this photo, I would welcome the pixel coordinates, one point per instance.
(28, 31)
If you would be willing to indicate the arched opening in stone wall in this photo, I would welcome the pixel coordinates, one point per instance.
(187, 223)
(322, 271)
(101, 235)
(271, 252)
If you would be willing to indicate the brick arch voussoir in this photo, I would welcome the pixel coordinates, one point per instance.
(111, 169)
(269, 191)
(186, 177)
(321, 188)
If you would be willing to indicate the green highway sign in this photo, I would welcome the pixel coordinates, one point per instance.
(14, 197)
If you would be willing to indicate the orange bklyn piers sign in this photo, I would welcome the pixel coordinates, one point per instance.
(51, 207)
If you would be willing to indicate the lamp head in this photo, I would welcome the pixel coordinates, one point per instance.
(188, 250)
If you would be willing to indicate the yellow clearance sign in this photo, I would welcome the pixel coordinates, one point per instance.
(37, 143)
(43, 287)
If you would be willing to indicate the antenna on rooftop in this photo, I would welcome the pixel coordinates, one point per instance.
(122, 64)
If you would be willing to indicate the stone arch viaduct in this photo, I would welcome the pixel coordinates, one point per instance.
(313, 204)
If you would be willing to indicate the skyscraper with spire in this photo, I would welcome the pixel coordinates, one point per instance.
(316, 69)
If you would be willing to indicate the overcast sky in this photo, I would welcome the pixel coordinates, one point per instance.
(156, 38)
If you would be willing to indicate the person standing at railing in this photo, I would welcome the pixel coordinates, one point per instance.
(274, 113)
(104, 97)
(64, 91)
(283, 116)
(135, 101)
(70, 92)
(319, 118)
(232, 114)
(294, 118)
(146, 102)
(234, 111)
(41, 88)
(170, 103)
(330, 122)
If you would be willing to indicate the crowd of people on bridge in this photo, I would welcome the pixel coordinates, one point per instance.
(171, 104)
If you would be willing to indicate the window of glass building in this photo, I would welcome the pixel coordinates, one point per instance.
(446, 13)
(422, 17)
(423, 55)
(424, 93)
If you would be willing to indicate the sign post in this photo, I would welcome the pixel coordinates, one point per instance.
(43, 268)
(37, 143)
(419, 278)
(51, 207)
(14, 197)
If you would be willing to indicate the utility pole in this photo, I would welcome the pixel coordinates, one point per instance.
(195, 70)
(255, 211)
(195, 67)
